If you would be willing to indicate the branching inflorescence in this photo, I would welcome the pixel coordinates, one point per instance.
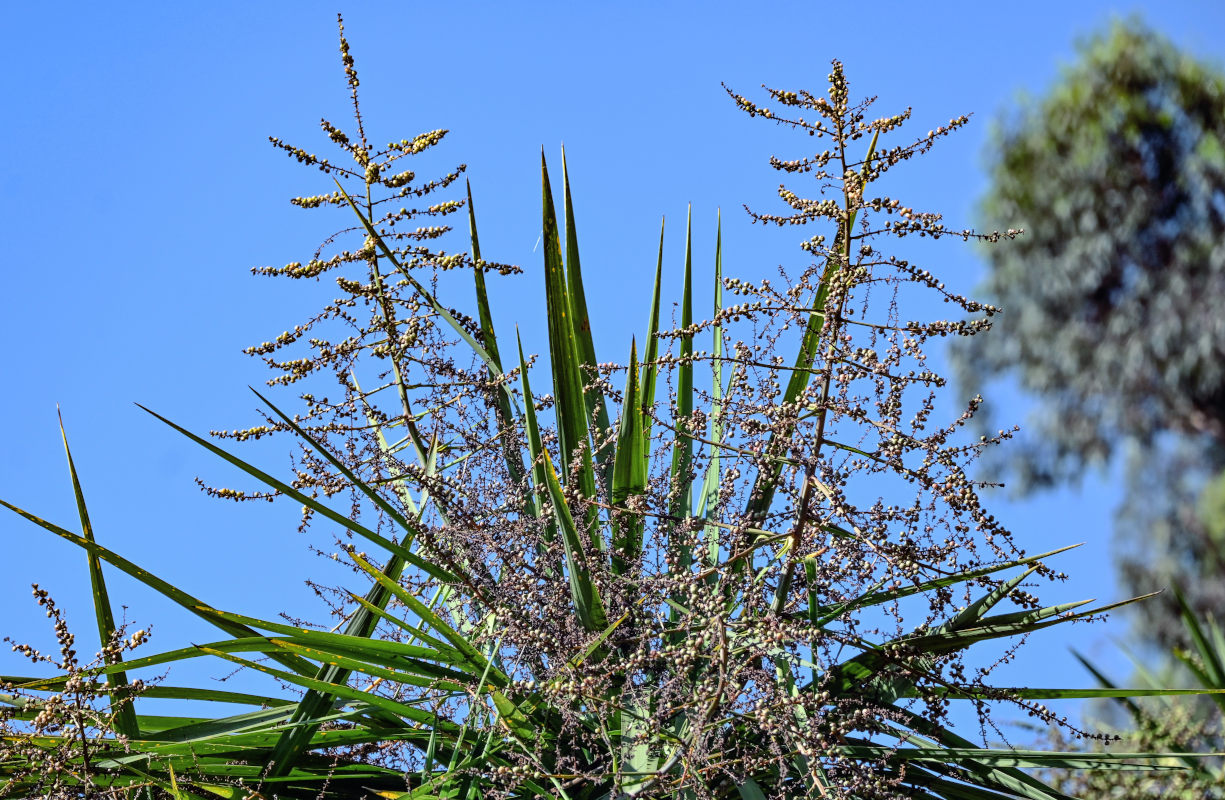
(59, 735)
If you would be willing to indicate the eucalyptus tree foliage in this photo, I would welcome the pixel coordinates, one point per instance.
(1112, 297)
(759, 583)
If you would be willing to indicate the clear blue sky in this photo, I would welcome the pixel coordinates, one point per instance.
(138, 190)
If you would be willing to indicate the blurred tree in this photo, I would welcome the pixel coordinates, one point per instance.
(1114, 300)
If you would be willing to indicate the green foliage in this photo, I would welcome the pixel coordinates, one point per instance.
(1170, 724)
(1212, 510)
(1112, 296)
(549, 610)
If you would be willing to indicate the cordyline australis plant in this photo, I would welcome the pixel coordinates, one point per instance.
(604, 593)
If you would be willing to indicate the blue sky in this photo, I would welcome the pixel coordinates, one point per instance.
(139, 189)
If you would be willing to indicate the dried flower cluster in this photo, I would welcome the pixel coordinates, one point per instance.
(59, 735)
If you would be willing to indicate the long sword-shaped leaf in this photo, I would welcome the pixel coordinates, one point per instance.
(428, 617)
(974, 612)
(597, 407)
(583, 592)
(650, 356)
(877, 598)
(963, 787)
(400, 671)
(749, 790)
(308, 714)
(571, 408)
(629, 475)
(505, 419)
(535, 444)
(340, 466)
(399, 484)
(709, 499)
(433, 570)
(1030, 693)
(682, 452)
(161, 691)
(416, 633)
(243, 644)
(1211, 669)
(362, 623)
(1008, 779)
(1023, 759)
(341, 691)
(125, 712)
(488, 339)
(680, 477)
(572, 419)
(1141, 718)
(411, 527)
(187, 601)
(458, 665)
(856, 671)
